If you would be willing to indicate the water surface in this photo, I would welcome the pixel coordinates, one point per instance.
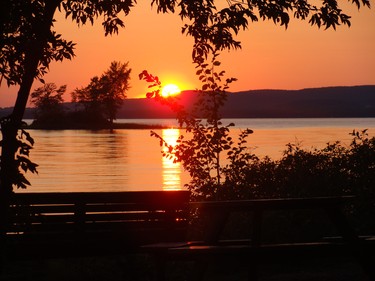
(124, 160)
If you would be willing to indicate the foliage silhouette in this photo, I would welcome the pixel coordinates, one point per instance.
(97, 107)
(103, 96)
(213, 32)
(22, 163)
(48, 101)
(334, 170)
(221, 168)
(208, 139)
(29, 44)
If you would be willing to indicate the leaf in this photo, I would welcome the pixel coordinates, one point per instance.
(28, 137)
(199, 72)
(142, 74)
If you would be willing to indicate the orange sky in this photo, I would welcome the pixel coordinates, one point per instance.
(272, 57)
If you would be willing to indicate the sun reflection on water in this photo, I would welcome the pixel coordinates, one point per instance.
(171, 171)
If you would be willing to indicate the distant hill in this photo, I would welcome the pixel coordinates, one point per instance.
(327, 102)
(356, 101)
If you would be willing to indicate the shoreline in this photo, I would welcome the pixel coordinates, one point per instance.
(114, 126)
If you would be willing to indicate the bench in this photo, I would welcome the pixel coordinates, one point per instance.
(213, 247)
(44, 225)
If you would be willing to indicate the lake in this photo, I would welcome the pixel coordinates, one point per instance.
(127, 160)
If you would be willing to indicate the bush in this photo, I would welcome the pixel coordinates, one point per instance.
(335, 170)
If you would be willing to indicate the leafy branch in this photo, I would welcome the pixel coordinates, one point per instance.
(208, 141)
(21, 163)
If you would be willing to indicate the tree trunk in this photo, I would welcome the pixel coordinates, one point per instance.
(6, 174)
(11, 125)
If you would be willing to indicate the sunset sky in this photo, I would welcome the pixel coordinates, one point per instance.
(271, 58)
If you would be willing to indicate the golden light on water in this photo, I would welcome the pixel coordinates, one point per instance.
(171, 171)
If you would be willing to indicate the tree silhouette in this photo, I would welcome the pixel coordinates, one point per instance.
(28, 45)
(104, 96)
(48, 101)
(208, 141)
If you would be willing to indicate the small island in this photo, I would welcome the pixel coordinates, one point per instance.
(85, 124)
(93, 107)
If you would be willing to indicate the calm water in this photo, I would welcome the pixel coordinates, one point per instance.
(122, 160)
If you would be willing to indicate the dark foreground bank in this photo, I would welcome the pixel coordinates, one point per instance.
(140, 268)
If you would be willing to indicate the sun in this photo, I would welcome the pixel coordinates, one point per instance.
(170, 90)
